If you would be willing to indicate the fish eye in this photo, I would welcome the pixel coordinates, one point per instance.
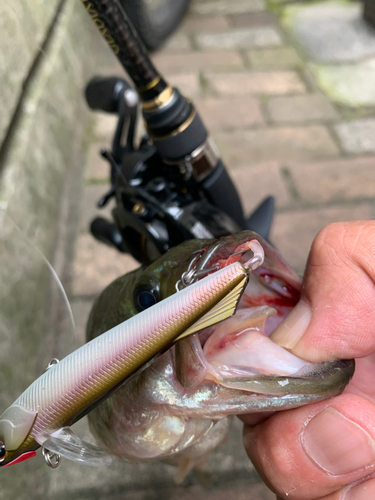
(145, 297)
(2, 452)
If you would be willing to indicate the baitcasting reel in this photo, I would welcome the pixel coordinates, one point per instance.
(173, 186)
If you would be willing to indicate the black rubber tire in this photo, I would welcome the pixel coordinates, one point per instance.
(154, 29)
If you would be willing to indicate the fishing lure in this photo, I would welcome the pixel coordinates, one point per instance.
(71, 388)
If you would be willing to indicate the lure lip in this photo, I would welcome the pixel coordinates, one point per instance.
(21, 458)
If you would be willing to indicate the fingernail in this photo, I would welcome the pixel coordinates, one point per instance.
(290, 331)
(336, 444)
(364, 491)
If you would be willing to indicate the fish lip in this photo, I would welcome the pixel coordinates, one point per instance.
(224, 248)
(336, 364)
(213, 249)
(320, 380)
(333, 376)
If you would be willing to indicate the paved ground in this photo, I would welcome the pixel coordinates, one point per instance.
(292, 112)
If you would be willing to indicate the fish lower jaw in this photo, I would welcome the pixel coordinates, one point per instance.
(239, 355)
(239, 348)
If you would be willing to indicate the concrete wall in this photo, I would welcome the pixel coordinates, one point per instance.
(48, 50)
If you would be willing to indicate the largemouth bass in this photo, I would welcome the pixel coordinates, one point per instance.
(69, 389)
(177, 407)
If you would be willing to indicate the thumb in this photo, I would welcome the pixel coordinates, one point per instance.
(335, 318)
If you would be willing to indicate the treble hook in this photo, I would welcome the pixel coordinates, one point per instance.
(193, 274)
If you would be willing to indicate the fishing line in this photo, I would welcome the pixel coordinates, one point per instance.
(6, 218)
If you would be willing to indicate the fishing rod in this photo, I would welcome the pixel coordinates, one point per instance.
(174, 186)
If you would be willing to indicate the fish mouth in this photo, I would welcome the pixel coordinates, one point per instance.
(238, 353)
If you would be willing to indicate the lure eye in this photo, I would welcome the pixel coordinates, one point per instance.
(145, 297)
(2, 452)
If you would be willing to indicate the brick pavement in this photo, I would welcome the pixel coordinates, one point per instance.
(280, 133)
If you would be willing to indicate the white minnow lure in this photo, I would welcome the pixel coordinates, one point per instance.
(71, 388)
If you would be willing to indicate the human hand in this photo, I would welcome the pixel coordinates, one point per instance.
(327, 450)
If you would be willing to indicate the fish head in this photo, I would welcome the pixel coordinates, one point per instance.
(237, 353)
(16, 445)
(201, 257)
(176, 406)
(142, 288)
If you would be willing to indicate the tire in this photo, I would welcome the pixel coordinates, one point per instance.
(155, 19)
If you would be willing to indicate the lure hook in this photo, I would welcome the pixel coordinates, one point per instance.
(196, 270)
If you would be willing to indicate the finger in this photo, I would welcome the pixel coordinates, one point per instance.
(365, 490)
(361, 382)
(336, 315)
(317, 450)
(255, 418)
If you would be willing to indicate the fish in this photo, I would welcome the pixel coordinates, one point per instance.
(72, 387)
(179, 408)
